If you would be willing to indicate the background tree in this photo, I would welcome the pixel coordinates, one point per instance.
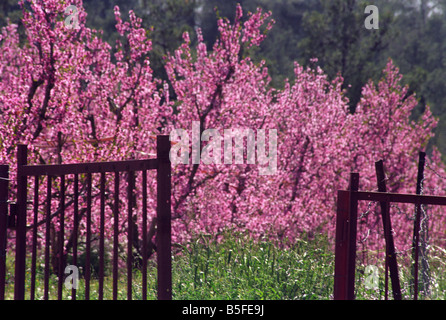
(418, 49)
(335, 34)
(63, 93)
(9, 9)
(411, 33)
(167, 20)
(280, 49)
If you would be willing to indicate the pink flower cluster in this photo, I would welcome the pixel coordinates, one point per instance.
(61, 94)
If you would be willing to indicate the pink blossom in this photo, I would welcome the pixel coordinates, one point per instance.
(63, 84)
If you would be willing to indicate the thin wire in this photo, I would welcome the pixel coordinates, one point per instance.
(424, 244)
(424, 230)
(365, 213)
(433, 170)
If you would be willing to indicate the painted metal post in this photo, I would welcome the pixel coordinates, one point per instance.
(131, 186)
(345, 247)
(22, 189)
(163, 237)
(391, 261)
(341, 246)
(4, 186)
(416, 227)
(352, 225)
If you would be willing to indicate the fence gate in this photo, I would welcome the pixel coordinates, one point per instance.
(346, 229)
(17, 219)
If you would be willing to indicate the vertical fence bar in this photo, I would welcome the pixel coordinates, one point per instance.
(341, 246)
(22, 190)
(391, 261)
(115, 237)
(144, 235)
(352, 230)
(60, 250)
(75, 228)
(88, 240)
(163, 237)
(47, 238)
(4, 187)
(416, 227)
(34, 245)
(380, 177)
(131, 183)
(101, 239)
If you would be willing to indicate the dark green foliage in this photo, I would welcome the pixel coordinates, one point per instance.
(9, 9)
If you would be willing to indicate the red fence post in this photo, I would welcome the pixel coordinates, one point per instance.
(352, 230)
(340, 277)
(4, 186)
(416, 227)
(22, 189)
(163, 237)
(60, 250)
(345, 247)
(391, 261)
(115, 237)
(131, 186)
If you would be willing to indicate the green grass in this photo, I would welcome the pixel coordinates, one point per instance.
(237, 269)
(437, 271)
(245, 269)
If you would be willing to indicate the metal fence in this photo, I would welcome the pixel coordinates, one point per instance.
(346, 232)
(25, 245)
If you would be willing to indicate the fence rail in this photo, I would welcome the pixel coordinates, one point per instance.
(92, 167)
(52, 172)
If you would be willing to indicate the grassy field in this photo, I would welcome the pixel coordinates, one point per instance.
(236, 269)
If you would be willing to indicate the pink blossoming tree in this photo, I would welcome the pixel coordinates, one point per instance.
(62, 94)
